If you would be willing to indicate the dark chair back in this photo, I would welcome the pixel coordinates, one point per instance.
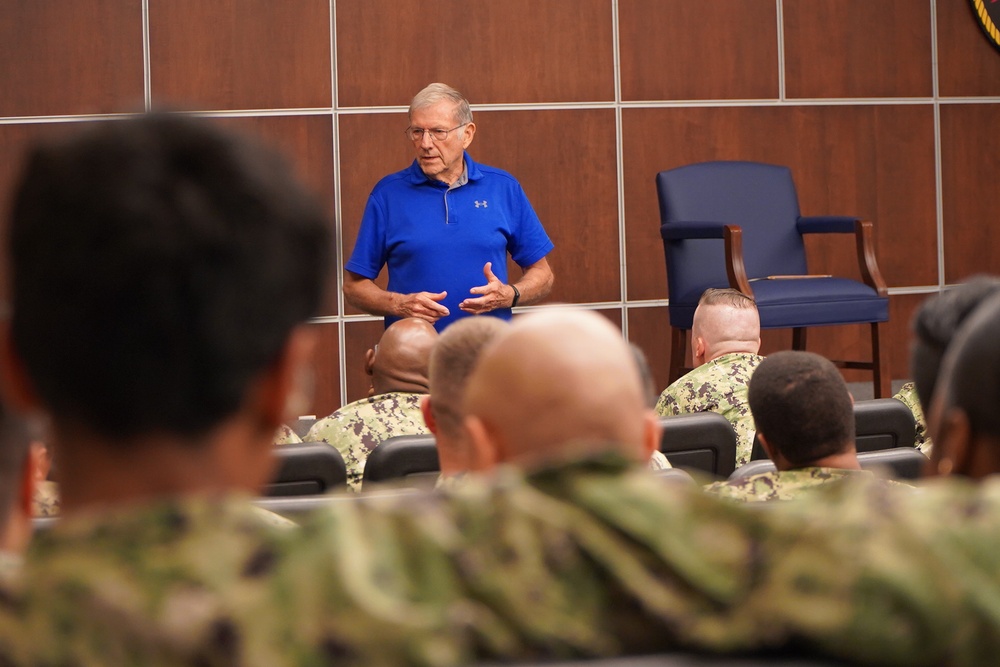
(898, 463)
(403, 456)
(882, 423)
(704, 441)
(307, 468)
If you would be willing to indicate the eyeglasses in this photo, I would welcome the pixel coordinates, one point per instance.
(417, 133)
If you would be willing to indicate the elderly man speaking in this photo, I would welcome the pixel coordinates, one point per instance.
(444, 226)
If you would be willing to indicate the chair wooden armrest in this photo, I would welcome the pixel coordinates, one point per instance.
(735, 268)
(870, 273)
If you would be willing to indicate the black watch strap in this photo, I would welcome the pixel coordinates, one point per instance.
(517, 297)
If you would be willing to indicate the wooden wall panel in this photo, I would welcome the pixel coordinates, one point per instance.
(578, 207)
(494, 52)
(307, 143)
(253, 54)
(683, 50)
(857, 48)
(71, 57)
(649, 328)
(359, 337)
(838, 165)
(970, 163)
(967, 64)
(326, 370)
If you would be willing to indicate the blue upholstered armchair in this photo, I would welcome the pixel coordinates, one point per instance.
(737, 224)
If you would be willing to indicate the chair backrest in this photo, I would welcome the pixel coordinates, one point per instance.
(703, 441)
(307, 468)
(898, 463)
(403, 456)
(297, 507)
(882, 423)
(758, 197)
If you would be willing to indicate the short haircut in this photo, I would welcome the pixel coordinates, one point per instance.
(452, 360)
(935, 324)
(727, 296)
(158, 267)
(801, 405)
(971, 371)
(437, 92)
(14, 446)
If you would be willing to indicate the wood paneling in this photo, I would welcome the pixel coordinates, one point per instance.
(649, 328)
(510, 51)
(252, 54)
(857, 48)
(359, 337)
(683, 50)
(71, 57)
(326, 370)
(578, 207)
(307, 143)
(968, 64)
(876, 162)
(970, 164)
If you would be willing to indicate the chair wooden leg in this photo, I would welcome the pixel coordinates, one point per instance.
(799, 338)
(678, 350)
(882, 384)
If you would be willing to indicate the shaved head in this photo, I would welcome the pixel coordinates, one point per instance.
(726, 321)
(558, 383)
(400, 360)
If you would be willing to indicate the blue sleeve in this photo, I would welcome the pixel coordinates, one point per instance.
(528, 242)
(370, 249)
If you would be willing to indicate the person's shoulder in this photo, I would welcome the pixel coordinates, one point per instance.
(496, 174)
(402, 177)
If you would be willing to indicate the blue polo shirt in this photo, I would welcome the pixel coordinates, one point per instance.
(435, 239)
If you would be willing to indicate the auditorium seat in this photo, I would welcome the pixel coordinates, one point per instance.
(704, 441)
(413, 459)
(898, 463)
(307, 468)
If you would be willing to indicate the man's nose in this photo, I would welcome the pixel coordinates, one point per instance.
(425, 140)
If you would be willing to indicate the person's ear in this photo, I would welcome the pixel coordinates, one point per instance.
(370, 362)
(698, 351)
(771, 454)
(954, 448)
(485, 447)
(469, 132)
(652, 433)
(18, 387)
(285, 389)
(426, 409)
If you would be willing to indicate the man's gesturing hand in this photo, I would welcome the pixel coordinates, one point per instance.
(421, 304)
(495, 294)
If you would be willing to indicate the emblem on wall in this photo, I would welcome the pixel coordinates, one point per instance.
(988, 15)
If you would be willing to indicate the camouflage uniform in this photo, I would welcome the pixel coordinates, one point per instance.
(593, 558)
(286, 436)
(358, 427)
(778, 485)
(908, 395)
(45, 501)
(717, 386)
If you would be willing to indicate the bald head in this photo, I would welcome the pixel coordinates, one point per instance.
(725, 322)
(454, 356)
(558, 382)
(400, 360)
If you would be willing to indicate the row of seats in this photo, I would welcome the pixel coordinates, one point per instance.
(703, 442)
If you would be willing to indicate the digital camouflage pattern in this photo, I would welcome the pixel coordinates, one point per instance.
(593, 558)
(717, 386)
(286, 436)
(356, 428)
(45, 500)
(908, 395)
(778, 484)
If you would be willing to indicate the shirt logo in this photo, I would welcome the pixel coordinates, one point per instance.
(482, 204)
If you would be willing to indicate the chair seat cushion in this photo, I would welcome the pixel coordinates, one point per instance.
(804, 302)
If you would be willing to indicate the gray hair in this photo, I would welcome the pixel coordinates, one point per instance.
(437, 92)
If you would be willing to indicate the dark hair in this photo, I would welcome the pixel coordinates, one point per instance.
(801, 405)
(158, 266)
(971, 370)
(935, 324)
